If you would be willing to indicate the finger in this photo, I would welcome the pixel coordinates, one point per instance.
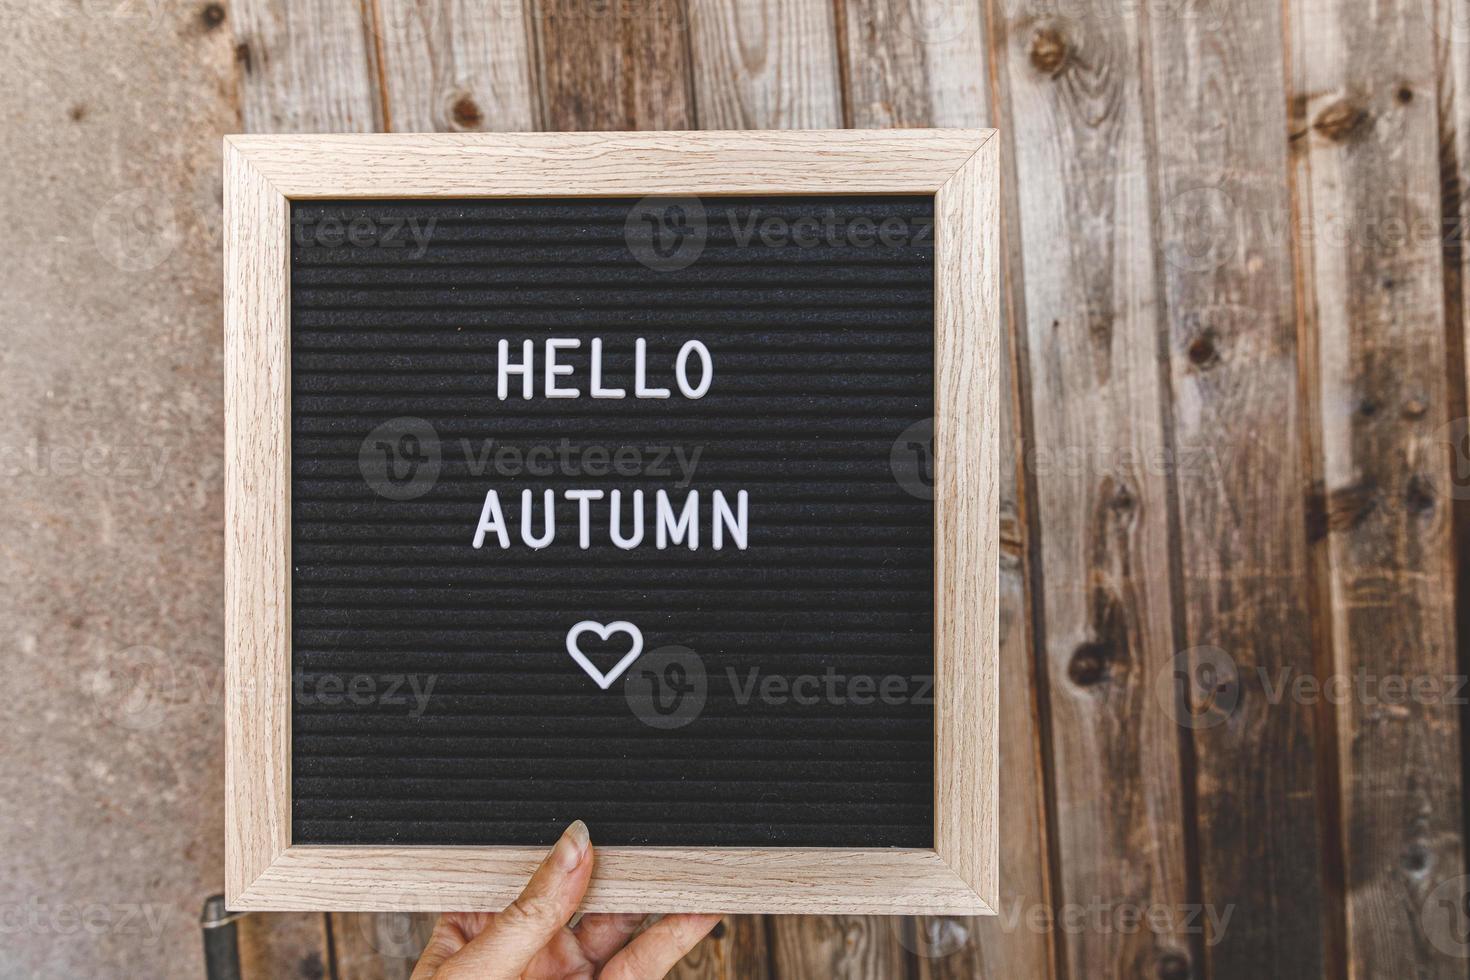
(447, 939)
(603, 935)
(549, 900)
(653, 954)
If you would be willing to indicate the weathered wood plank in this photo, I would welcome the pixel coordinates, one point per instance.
(765, 65)
(915, 63)
(1238, 465)
(613, 64)
(455, 66)
(284, 944)
(835, 947)
(308, 66)
(1075, 111)
(379, 946)
(922, 63)
(736, 949)
(1369, 139)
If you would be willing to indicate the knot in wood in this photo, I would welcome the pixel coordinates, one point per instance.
(1048, 51)
(1339, 120)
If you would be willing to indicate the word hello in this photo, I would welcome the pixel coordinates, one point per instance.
(552, 370)
(671, 526)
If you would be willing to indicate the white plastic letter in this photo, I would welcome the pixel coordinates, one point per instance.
(598, 391)
(686, 526)
(739, 526)
(549, 526)
(640, 373)
(553, 369)
(584, 500)
(681, 369)
(614, 525)
(492, 520)
(502, 383)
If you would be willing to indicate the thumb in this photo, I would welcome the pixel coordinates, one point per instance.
(513, 938)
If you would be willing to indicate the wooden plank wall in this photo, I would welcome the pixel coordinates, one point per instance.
(1235, 347)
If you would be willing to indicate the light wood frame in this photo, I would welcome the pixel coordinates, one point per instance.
(262, 174)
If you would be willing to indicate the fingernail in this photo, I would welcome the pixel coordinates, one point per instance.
(572, 847)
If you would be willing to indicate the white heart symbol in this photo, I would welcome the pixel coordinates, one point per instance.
(604, 681)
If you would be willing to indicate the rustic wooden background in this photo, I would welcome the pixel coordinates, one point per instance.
(1236, 357)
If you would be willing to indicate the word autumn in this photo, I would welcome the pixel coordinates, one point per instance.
(672, 526)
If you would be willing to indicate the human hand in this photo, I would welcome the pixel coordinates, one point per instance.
(530, 939)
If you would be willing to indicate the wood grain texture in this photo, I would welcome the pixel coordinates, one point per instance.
(1372, 205)
(966, 525)
(736, 949)
(284, 945)
(1089, 301)
(915, 63)
(257, 519)
(912, 63)
(453, 66)
(765, 64)
(607, 164)
(307, 66)
(612, 64)
(840, 947)
(880, 881)
(1238, 467)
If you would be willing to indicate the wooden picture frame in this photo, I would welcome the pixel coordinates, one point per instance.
(263, 174)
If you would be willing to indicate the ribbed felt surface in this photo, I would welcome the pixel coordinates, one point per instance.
(823, 356)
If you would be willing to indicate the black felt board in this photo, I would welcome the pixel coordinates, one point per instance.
(823, 360)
